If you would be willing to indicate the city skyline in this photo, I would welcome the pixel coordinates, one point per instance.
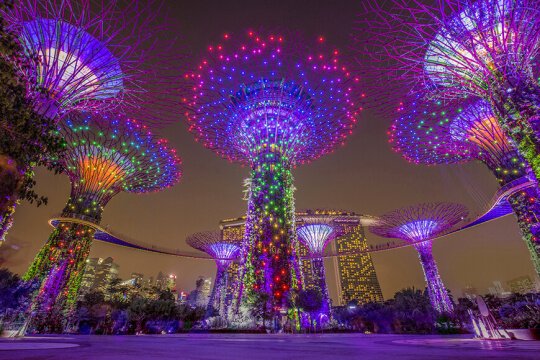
(364, 176)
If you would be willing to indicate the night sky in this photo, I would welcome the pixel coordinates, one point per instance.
(365, 176)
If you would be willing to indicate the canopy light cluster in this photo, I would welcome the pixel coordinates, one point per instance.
(258, 94)
(105, 155)
(419, 225)
(315, 232)
(454, 49)
(450, 48)
(91, 56)
(436, 133)
(421, 222)
(223, 251)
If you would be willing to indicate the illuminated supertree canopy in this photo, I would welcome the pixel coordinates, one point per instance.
(419, 225)
(316, 232)
(436, 133)
(92, 56)
(224, 252)
(460, 48)
(442, 134)
(272, 103)
(88, 56)
(103, 156)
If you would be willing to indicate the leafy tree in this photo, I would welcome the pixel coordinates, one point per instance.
(311, 302)
(414, 312)
(93, 311)
(14, 293)
(137, 313)
(190, 315)
(27, 138)
(261, 308)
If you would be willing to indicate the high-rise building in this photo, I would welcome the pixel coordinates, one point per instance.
(171, 285)
(306, 267)
(498, 290)
(356, 278)
(470, 292)
(98, 274)
(161, 281)
(137, 278)
(522, 285)
(201, 294)
(232, 230)
(355, 273)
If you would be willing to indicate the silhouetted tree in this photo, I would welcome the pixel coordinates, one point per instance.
(27, 139)
(310, 301)
(261, 308)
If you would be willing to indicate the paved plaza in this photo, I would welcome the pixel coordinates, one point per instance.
(247, 347)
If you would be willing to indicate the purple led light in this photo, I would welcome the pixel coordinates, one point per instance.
(98, 57)
(224, 252)
(260, 93)
(271, 103)
(419, 225)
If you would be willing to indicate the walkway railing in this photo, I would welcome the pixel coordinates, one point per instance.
(498, 207)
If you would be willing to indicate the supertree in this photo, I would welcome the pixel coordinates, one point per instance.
(316, 232)
(419, 225)
(90, 56)
(271, 103)
(435, 133)
(224, 252)
(104, 155)
(458, 48)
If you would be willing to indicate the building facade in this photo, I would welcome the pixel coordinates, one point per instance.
(522, 285)
(200, 296)
(232, 230)
(356, 279)
(98, 274)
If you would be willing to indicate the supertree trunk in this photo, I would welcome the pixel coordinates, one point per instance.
(438, 295)
(59, 265)
(317, 267)
(526, 207)
(215, 300)
(518, 103)
(11, 180)
(270, 231)
(246, 276)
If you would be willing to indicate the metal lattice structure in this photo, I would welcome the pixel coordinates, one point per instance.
(103, 157)
(88, 56)
(433, 133)
(440, 134)
(98, 57)
(419, 225)
(258, 93)
(224, 252)
(272, 102)
(457, 49)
